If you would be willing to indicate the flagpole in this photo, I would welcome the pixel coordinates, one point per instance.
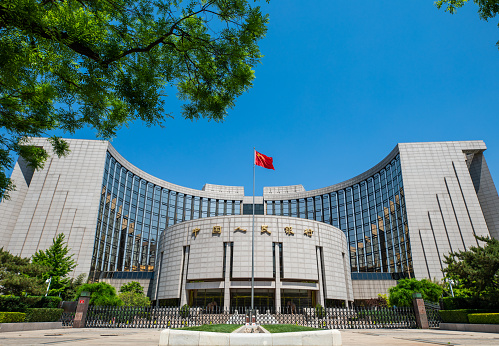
(253, 239)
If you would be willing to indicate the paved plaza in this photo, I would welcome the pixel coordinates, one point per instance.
(135, 336)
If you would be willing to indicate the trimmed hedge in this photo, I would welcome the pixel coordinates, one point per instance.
(454, 316)
(457, 303)
(12, 317)
(491, 318)
(43, 315)
(22, 304)
(462, 315)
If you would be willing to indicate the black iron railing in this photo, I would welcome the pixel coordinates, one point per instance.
(67, 319)
(432, 313)
(174, 317)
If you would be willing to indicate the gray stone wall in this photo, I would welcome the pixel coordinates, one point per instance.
(63, 197)
(10, 208)
(443, 210)
(485, 190)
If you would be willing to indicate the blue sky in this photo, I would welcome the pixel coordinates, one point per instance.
(341, 83)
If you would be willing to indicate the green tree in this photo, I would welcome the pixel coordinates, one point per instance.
(101, 293)
(74, 284)
(486, 8)
(131, 298)
(19, 276)
(476, 271)
(132, 286)
(401, 295)
(132, 294)
(58, 261)
(72, 63)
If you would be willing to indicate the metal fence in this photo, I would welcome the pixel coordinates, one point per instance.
(432, 313)
(174, 317)
(67, 319)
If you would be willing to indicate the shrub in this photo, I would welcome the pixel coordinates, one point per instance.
(455, 303)
(134, 299)
(43, 315)
(12, 304)
(491, 318)
(319, 311)
(401, 295)
(461, 315)
(48, 302)
(12, 317)
(184, 311)
(101, 294)
(132, 286)
(21, 304)
(454, 316)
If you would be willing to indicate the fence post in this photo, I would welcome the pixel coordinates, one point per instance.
(81, 310)
(420, 311)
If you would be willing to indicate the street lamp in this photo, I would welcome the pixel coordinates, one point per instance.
(49, 280)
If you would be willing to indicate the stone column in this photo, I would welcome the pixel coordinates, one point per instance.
(81, 310)
(183, 291)
(420, 311)
(320, 295)
(158, 273)
(228, 254)
(277, 278)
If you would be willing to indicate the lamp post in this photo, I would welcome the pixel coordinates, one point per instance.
(451, 282)
(49, 280)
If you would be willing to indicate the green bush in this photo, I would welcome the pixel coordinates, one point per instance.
(21, 304)
(401, 295)
(491, 318)
(461, 315)
(454, 316)
(12, 304)
(43, 315)
(456, 303)
(101, 294)
(131, 298)
(319, 311)
(12, 317)
(43, 302)
(184, 311)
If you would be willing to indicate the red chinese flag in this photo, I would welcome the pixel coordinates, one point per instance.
(263, 161)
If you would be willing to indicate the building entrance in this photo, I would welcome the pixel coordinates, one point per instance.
(241, 298)
(300, 299)
(213, 299)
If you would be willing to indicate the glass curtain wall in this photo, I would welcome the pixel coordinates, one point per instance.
(132, 214)
(372, 215)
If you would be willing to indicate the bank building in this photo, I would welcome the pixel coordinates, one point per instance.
(331, 246)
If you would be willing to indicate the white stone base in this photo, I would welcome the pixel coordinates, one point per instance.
(16, 327)
(173, 337)
(469, 327)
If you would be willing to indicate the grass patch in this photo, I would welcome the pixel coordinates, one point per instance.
(219, 328)
(286, 328)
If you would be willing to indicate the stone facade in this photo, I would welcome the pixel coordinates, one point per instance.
(397, 219)
(443, 208)
(192, 256)
(60, 198)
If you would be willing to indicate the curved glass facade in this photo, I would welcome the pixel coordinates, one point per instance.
(132, 214)
(371, 213)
